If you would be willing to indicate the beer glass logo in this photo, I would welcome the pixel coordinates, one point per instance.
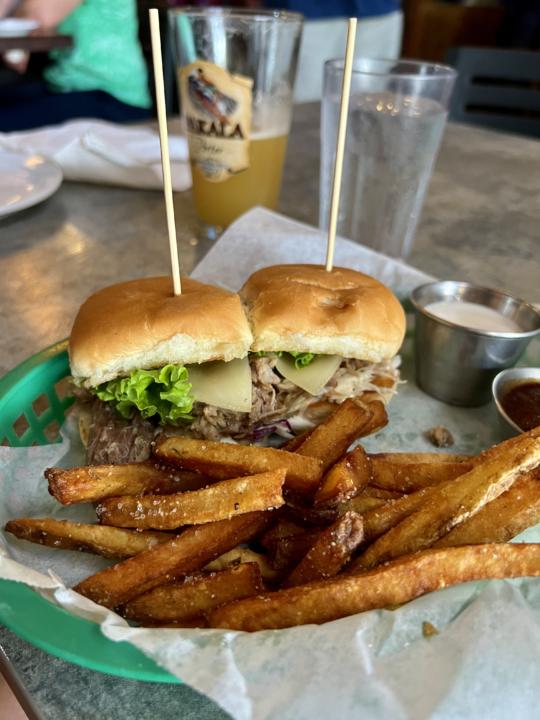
(208, 99)
(217, 109)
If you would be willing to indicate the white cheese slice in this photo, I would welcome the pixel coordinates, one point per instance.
(226, 385)
(314, 376)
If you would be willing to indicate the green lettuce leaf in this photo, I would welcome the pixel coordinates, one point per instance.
(165, 393)
(301, 359)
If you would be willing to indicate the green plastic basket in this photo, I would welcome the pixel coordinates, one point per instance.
(34, 398)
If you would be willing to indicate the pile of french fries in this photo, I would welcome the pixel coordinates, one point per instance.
(232, 536)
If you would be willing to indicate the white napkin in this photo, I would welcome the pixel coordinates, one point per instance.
(101, 152)
(263, 237)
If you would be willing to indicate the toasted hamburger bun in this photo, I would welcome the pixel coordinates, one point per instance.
(304, 308)
(142, 324)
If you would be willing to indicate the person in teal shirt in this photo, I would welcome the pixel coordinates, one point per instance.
(104, 74)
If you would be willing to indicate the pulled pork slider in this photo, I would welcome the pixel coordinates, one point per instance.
(318, 338)
(144, 360)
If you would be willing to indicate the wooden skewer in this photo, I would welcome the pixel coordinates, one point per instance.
(340, 146)
(164, 144)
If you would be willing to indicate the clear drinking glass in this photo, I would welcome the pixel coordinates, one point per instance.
(236, 71)
(397, 114)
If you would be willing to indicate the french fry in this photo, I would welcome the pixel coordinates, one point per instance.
(377, 492)
(503, 518)
(369, 498)
(282, 528)
(109, 542)
(288, 551)
(403, 476)
(345, 479)
(183, 554)
(194, 597)
(379, 417)
(220, 501)
(380, 520)
(387, 586)
(406, 458)
(317, 516)
(362, 504)
(330, 552)
(222, 461)
(332, 437)
(294, 443)
(287, 543)
(456, 501)
(97, 482)
(240, 555)
(383, 381)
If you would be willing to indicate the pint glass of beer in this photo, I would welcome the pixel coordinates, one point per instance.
(236, 72)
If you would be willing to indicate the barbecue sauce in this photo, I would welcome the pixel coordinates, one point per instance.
(522, 404)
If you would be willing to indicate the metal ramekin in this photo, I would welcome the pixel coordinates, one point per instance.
(503, 382)
(457, 364)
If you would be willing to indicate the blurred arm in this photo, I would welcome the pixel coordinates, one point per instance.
(6, 7)
(48, 13)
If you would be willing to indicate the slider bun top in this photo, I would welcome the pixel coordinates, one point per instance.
(303, 308)
(141, 324)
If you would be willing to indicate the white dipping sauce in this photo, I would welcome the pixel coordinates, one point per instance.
(472, 315)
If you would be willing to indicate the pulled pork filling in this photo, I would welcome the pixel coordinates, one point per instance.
(276, 399)
(278, 406)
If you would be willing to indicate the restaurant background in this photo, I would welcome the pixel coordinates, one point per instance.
(112, 82)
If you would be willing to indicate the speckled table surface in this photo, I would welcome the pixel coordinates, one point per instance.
(481, 222)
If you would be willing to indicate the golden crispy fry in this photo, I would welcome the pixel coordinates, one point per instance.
(454, 502)
(377, 492)
(345, 479)
(369, 499)
(287, 543)
(240, 555)
(331, 550)
(288, 551)
(405, 458)
(405, 477)
(100, 540)
(223, 461)
(378, 418)
(319, 517)
(294, 443)
(195, 596)
(380, 519)
(282, 528)
(362, 504)
(220, 501)
(96, 482)
(387, 586)
(332, 437)
(183, 554)
(503, 518)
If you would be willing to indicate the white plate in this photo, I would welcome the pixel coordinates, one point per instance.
(16, 27)
(26, 180)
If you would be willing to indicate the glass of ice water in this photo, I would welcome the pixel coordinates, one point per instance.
(397, 114)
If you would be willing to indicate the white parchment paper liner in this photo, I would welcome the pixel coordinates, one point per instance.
(485, 662)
